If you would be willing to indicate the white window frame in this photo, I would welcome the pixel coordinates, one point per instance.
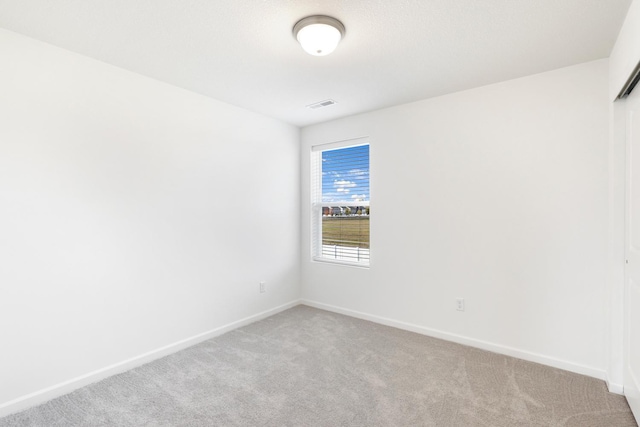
(317, 205)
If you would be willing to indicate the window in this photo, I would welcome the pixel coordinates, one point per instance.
(341, 202)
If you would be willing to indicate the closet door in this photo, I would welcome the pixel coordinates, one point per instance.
(632, 249)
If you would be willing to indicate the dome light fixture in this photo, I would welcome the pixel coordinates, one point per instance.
(318, 35)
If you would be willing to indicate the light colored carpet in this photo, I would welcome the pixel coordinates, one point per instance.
(308, 367)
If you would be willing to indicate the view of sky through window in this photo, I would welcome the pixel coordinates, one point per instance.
(345, 175)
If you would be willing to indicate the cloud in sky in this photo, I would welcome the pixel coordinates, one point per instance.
(358, 172)
(342, 189)
(342, 186)
(343, 183)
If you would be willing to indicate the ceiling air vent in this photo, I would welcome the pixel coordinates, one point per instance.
(322, 104)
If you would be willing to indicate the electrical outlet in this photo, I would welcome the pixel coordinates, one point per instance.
(460, 304)
(263, 287)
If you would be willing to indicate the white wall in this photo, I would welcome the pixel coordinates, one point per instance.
(616, 253)
(133, 215)
(508, 189)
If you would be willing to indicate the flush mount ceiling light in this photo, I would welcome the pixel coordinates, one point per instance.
(318, 35)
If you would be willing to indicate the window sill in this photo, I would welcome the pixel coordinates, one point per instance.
(340, 262)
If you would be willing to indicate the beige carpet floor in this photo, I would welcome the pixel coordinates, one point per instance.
(308, 367)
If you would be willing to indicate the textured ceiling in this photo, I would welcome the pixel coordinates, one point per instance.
(395, 51)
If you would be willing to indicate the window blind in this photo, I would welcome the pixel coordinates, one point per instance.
(341, 203)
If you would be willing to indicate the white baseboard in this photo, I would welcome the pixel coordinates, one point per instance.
(484, 345)
(614, 387)
(46, 394)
